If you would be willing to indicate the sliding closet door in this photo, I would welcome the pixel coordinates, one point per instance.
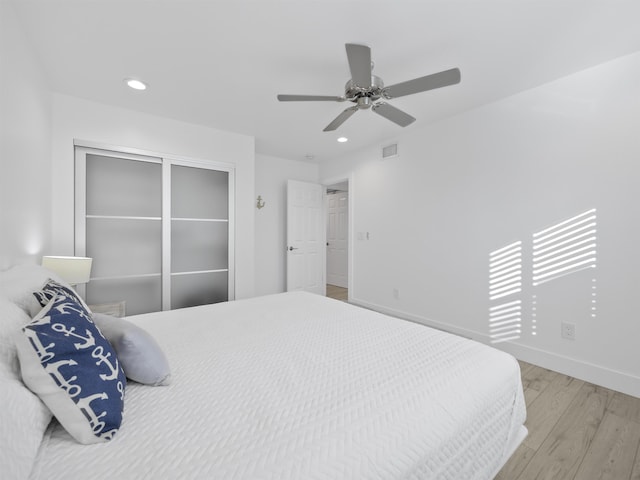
(199, 236)
(159, 229)
(123, 230)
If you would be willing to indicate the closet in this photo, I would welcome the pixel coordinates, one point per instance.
(159, 228)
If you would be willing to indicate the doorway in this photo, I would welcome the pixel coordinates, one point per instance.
(337, 240)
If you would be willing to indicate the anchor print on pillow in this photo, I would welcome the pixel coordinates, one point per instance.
(66, 361)
(51, 289)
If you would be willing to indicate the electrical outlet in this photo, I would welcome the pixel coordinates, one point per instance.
(568, 330)
(396, 293)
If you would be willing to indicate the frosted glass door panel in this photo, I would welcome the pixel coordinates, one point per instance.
(199, 245)
(198, 289)
(142, 295)
(120, 187)
(124, 246)
(158, 228)
(199, 193)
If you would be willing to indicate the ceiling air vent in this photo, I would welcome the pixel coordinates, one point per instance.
(390, 151)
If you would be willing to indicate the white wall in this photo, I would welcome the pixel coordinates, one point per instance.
(74, 118)
(469, 185)
(25, 148)
(272, 174)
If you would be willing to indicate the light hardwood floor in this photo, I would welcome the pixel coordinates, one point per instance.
(336, 292)
(577, 430)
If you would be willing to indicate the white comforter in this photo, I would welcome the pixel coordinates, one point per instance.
(297, 386)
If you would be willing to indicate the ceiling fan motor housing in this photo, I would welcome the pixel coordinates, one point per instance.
(364, 96)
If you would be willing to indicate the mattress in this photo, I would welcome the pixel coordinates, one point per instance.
(298, 386)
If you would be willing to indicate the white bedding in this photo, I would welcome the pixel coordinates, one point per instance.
(297, 386)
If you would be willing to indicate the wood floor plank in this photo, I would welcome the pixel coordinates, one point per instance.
(516, 464)
(339, 293)
(635, 471)
(535, 380)
(625, 406)
(612, 451)
(533, 372)
(562, 452)
(524, 367)
(549, 406)
(529, 396)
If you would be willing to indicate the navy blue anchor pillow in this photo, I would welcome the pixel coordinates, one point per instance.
(50, 289)
(67, 362)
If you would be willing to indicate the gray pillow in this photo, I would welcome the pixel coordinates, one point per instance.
(139, 354)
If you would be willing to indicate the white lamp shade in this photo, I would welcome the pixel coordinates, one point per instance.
(73, 270)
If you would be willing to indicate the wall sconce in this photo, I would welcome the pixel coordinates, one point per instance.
(260, 202)
(73, 270)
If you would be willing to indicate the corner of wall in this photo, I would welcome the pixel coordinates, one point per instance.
(25, 147)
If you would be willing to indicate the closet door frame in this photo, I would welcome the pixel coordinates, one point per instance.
(82, 148)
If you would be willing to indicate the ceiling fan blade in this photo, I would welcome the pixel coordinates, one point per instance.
(340, 119)
(422, 84)
(310, 98)
(394, 114)
(359, 57)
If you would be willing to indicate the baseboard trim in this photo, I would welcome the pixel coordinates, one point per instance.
(596, 374)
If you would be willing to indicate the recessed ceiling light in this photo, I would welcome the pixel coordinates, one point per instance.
(135, 84)
(343, 139)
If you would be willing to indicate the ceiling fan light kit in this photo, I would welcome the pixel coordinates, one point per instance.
(366, 90)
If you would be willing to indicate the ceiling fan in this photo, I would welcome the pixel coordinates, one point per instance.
(368, 91)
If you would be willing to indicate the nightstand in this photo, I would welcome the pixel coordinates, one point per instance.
(115, 309)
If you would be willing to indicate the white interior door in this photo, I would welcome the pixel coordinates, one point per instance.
(337, 246)
(305, 237)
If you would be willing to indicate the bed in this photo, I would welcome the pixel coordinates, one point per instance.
(294, 386)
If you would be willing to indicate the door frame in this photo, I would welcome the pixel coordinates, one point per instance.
(326, 182)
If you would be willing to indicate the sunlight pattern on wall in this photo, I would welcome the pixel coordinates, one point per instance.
(564, 248)
(505, 321)
(505, 279)
(505, 271)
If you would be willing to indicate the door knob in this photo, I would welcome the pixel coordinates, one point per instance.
(293, 248)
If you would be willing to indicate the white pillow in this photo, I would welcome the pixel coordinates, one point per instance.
(140, 356)
(24, 418)
(18, 284)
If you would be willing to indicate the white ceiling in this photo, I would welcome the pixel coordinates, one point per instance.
(222, 63)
